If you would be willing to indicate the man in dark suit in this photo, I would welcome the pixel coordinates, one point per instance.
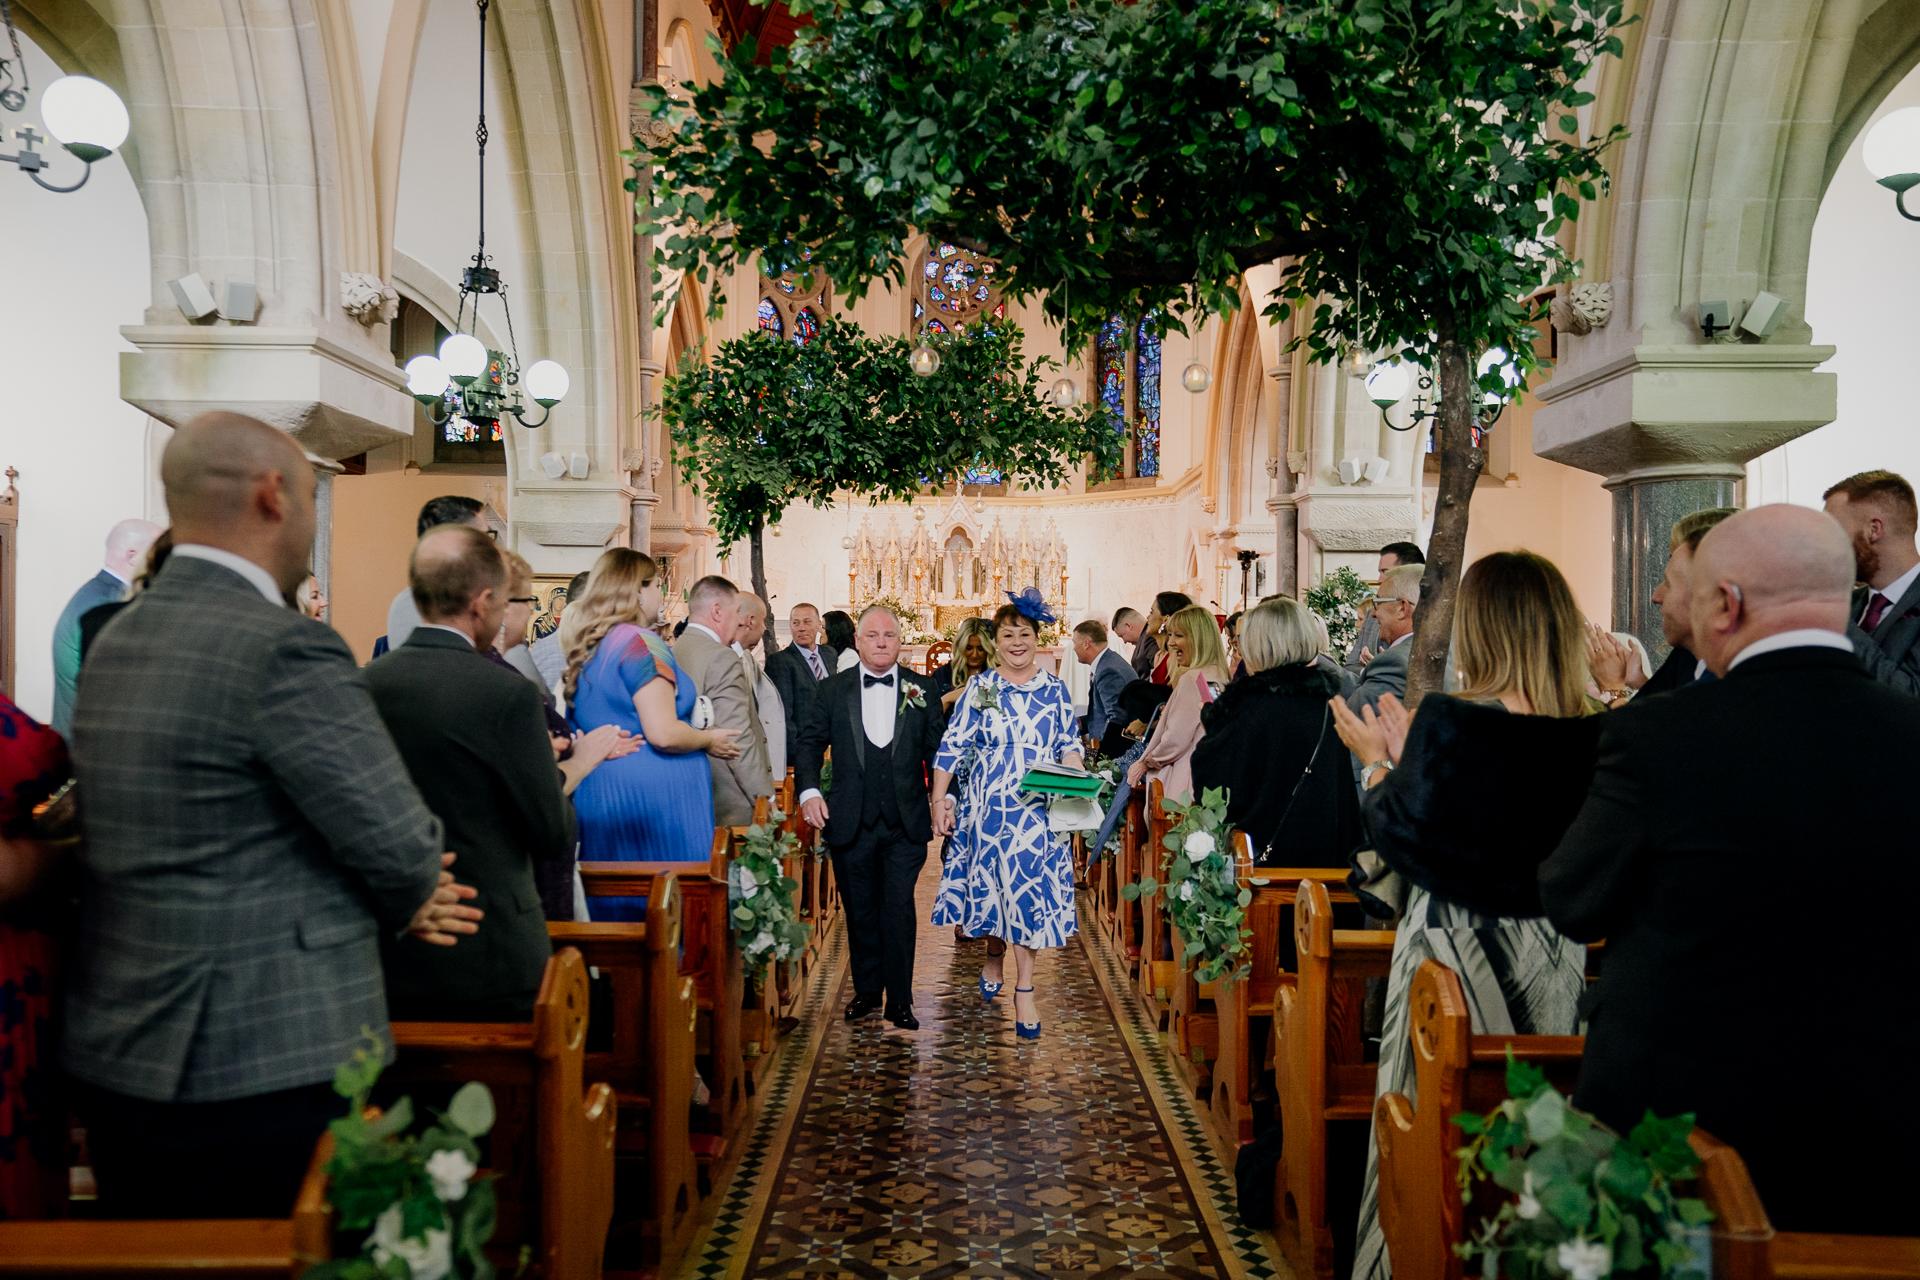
(1713, 813)
(127, 544)
(1393, 606)
(1109, 675)
(884, 726)
(1674, 595)
(1876, 508)
(473, 734)
(1366, 642)
(798, 669)
(251, 833)
(1131, 627)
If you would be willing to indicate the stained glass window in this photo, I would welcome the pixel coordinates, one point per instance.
(1147, 399)
(793, 303)
(806, 326)
(954, 287)
(770, 317)
(981, 475)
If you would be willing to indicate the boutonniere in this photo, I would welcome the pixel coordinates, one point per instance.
(912, 695)
(985, 696)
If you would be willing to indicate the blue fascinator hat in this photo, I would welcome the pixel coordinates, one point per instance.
(1033, 606)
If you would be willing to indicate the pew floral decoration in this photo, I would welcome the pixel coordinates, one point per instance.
(760, 893)
(1112, 770)
(1586, 1203)
(1339, 600)
(426, 1215)
(1202, 890)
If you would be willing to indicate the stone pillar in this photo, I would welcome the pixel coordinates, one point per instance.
(1286, 516)
(1646, 503)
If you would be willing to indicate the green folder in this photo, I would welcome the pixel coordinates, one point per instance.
(1058, 780)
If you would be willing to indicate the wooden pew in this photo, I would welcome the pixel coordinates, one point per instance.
(229, 1249)
(1746, 1247)
(1421, 1211)
(650, 1064)
(707, 955)
(553, 1136)
(1240, 1012)
(1320, 1071)
(1125, 922)
(1155, 980)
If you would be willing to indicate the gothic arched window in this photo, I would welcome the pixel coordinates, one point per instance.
(952, 288)
(793, 304)
(1127, 376)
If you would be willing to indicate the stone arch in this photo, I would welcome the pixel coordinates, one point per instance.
(1886, 49)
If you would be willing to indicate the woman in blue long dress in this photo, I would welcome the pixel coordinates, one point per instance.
(1007, 876)
(655, 805)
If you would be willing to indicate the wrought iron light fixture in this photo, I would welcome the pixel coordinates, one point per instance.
(468, 379)
(1891, 153)
(1389, 381)
(80, 113)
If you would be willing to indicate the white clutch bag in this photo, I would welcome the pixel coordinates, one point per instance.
(1074, 813)
(702, 717)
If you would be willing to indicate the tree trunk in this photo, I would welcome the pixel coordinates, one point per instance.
(1460, 465)
(759, 574)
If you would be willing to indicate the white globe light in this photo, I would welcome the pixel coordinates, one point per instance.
(1196, 377)
(546, 381)
(1065, 393)
(1387, 384)
(925, 361)
(85, 115)
(464, 356)
(426, 378)
(1497, 358)
(1892, 146)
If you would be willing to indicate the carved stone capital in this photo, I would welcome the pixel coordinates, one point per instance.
(368, 298)
(1584, 308)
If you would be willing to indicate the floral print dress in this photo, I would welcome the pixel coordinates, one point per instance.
(1007, 876)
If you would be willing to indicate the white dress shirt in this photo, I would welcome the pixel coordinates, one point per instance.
(815, 663)
(701, 626)
(1803, 638)
(771, 711)
(879, 708)
(262, 580)
(1892, 591)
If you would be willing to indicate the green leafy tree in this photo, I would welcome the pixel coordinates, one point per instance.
(1413, 159)
(768, 423)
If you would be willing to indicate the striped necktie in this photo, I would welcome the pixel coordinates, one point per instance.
(813, 660)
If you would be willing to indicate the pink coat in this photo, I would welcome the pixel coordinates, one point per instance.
(1169, 753)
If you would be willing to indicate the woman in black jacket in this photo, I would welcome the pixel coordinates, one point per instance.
(1271, 742)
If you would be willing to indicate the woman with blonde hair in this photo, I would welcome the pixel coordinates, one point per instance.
(1462, 872)
(655, 805)
(1197, 672)
(973, 652)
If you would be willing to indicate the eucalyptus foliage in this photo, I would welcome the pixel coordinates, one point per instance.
(767, 423)
(1412, 161)
(1201, 890)
(1584, 1202)
(760, 898)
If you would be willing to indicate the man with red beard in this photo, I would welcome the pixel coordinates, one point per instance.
(1877, 510)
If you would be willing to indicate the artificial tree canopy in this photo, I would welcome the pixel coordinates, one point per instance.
(768, 422)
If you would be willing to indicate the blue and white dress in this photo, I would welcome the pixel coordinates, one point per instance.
(1006, 875)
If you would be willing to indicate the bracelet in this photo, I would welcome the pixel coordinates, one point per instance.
(1378, 766)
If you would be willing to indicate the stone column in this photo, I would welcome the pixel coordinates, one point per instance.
(1286, 516)
(1646, 503)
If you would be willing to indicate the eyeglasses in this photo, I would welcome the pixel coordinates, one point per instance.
(523, 599)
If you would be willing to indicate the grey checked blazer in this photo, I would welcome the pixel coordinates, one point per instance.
(1888, 651)
(250, 829)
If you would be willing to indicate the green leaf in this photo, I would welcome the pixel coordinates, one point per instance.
(1693, 1212)
(743, 915)
(1005, 18)
(1546, 1116)
(395, 1120)
(1116, 90)
(471, 1110)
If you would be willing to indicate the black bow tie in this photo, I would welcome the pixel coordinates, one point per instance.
(867, 682)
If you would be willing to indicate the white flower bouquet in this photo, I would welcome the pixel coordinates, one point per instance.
(1202, 890)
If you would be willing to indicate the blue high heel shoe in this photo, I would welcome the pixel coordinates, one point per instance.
(988, 990)
(1026, 1030)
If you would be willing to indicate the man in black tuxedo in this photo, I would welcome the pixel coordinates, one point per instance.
(1674, 595)
(473, 734)
(1876, 508)
(884, 727)
(798, 670)
(1706, 842)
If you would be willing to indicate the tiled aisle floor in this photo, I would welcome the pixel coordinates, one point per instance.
(959, 1149)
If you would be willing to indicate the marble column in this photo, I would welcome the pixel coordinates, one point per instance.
(1646, 504)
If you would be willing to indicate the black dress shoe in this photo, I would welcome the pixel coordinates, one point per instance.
(903, 1018)
(862, 1006)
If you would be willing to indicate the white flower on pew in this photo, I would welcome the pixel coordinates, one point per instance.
(450, 1171)
(761, 942)
(1186, 891)
(748, 882)
(1528, 1206)
(1580, 1258)
(429, 1259)
(1199, 844)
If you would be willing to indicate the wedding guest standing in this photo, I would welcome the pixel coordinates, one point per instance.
(127, 544)
(548, 652)
(1876, 508)
(656, 804)
(1193, 643)
(883, 730)
(1165, 605)
(1131, 627)
(749, 632)
(1108, 674)
(1007, 875)
(839, 632)
(1463, 873)
(1674, 595)
(1366, 643)
(973, 652)
(798, 669)
(451, 508)
(705, 653)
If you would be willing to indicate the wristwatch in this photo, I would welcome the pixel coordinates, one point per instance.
(1378, 766)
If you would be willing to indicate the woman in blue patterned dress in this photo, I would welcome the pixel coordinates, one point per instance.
(655, 805)
(1007, 876)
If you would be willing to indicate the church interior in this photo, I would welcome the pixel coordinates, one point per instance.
(289, 223)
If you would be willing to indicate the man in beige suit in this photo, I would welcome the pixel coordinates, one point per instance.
(705, 652)
(773, 712)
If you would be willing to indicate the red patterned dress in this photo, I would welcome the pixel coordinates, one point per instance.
(33, 1139)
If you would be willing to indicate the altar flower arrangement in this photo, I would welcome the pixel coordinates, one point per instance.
(760, 893)
(426, 1210)
(1202, 890)
(1338, 600)
(1586, 1203)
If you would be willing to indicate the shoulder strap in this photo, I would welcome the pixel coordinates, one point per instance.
(1293, 795)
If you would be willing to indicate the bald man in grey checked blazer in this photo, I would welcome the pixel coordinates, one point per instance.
(251, 831)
